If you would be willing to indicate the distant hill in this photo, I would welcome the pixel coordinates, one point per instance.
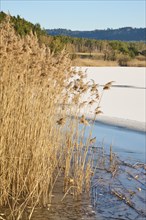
(122, 34)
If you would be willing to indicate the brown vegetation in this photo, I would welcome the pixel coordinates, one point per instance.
(97, 59)
(137, 63)
(91, 62)
(38, 141)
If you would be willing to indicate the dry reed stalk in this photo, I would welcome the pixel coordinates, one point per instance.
(38, 141)
(32, 82)
(111, 154)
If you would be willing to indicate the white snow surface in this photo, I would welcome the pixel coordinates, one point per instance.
(124, 103)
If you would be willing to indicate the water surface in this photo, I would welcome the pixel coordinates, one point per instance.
(127, 144)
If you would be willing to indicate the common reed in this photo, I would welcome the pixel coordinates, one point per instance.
(39, 142)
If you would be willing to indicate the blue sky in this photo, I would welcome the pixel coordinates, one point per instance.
(79, 15)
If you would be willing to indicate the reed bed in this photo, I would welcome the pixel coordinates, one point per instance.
(39, 142)
(93, 62)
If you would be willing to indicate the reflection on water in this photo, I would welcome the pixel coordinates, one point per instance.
(68, 209)
(118, 189)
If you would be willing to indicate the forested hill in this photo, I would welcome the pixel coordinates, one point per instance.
(123, 34)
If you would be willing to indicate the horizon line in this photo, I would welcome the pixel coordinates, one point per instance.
(95, 29)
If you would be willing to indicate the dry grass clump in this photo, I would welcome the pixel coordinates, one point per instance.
(38, 141)
(138, 62)
(93, 62)
(32, 82)
(98, 61)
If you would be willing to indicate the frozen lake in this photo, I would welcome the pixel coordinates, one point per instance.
(129, 145)
(126, 98)
(122, 105)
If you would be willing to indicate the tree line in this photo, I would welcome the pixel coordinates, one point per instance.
(110, 49)
(123, 34)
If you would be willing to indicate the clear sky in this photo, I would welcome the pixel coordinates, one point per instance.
(79, 14)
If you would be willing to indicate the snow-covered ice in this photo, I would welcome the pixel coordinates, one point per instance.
(124, 103)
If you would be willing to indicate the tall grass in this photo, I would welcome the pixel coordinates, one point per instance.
(93, 62)
(39, 142)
